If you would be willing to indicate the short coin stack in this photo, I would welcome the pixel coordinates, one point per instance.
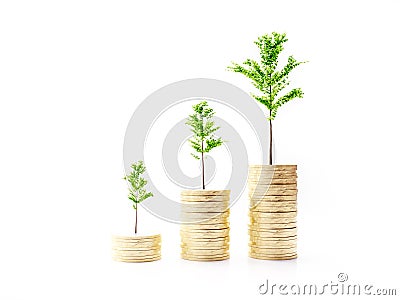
(205, 225)
(273, 211)
(136, 248)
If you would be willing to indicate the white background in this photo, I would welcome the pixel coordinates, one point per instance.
(72, 73)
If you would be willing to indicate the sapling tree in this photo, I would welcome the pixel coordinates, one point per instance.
(268, 79)
(137, 190)
(203, 129)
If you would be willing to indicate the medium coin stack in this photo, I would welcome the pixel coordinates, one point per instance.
(205, 225)
(273, 211)
(136, 248)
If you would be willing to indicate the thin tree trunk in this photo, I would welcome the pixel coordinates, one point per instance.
(270, 139)
(202, 166)
(136, 218)
(137, 206)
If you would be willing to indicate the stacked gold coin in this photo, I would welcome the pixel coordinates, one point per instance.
(273, 211)
(205, 225)
(136, 248)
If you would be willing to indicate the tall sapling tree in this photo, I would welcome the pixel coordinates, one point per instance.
(203, 128)
(137, 190)
(268, 79)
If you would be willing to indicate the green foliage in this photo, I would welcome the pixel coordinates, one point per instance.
(203, 128)
(266, 77)
(137, 191)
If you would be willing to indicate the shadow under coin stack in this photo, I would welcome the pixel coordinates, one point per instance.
(205, 225)
(136, 248)
(273, 211)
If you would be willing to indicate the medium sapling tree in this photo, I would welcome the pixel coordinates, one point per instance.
(203, 128)
(137, 190)
(268, 79)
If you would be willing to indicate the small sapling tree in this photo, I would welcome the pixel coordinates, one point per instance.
(268, 79)
(137, 190)
(203, 129)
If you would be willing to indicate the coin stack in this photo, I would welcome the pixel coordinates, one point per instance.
(136, 248)
(273, 211)
(205, 225)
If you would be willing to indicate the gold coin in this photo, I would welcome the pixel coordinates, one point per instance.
(136, 252)
(279, 230)
(205, 192)
(272, 192)
(271, 254)
(256, 175)
(271, 185)
(202, 235)
(212, 221)
(272, 257)
(204, 211)
(268, 239)
(275, 250)
(271, 217)
(275, 244)
(266, 215)
(271, 244)
(205, 226)
(207, 246)
(224, 231)
(262, 189)
(267, 177)
(206, 252)
(204, 242)
(257, 226)
(136, 260)
(205, 198)
(205, 255)
(273, 167)
(204, 220)
(136, 238)
(265, 234)
(119, 248)
(206, 214)
(257, 221)
(265, 204)
(269, 199)
(204, 238)
(266, 173)
(195, 231)
(208, 204)
(137, 245)
(204, 245)
(271, 182)
(187, 220)
(195, 258)
(133, 245)
(274, 209)
(205, 202)
(290, 231)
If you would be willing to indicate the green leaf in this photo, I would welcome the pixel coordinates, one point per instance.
(264, 74)
(203, 129)
(137, 192)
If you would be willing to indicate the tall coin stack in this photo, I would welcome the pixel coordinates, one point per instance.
(205, 225)
(273, 211)
(136, 248)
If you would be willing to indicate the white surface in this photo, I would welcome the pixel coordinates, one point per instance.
(71, 74)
